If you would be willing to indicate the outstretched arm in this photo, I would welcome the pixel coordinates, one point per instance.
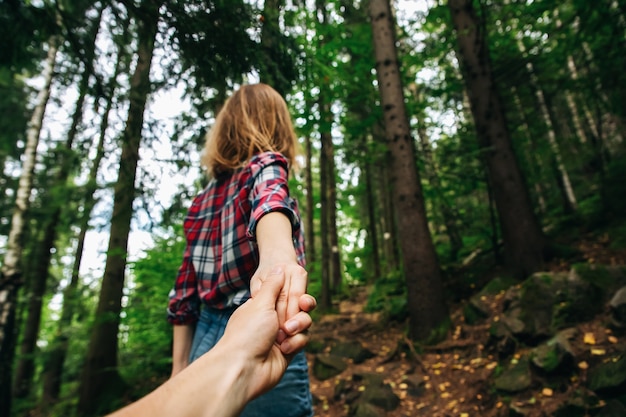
(246, 362)
(276, 249)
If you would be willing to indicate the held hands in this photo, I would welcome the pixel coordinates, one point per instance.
(292, 298)
(253, 328)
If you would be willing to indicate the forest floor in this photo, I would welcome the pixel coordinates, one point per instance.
(453, 378)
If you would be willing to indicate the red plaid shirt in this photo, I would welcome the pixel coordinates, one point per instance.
(221, 254)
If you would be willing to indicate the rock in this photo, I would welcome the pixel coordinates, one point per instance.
(580, 404)
(416, 385)
(555, 354)
(327, 366)
(501, 337)
(375, 391)
(381, 396)
(547, 302)
(367, 410)
(515, 379)
(352, 350)
(609, 278)
(609, 376)
(613, 408)
(617, 308)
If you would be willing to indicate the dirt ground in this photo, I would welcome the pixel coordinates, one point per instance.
(454, 377)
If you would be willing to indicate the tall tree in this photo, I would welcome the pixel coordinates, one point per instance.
(11, 273)
(57, 199)
(525, 245)
(55, 358)
(428, 313)
(100, 374)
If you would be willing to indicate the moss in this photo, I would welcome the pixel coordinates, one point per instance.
(594, 274)
(439, 333)
(497, 285)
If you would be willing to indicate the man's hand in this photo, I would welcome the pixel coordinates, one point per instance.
(252, 332)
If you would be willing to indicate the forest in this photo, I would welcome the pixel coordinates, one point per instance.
(462, 186)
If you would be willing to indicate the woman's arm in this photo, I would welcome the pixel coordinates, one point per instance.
(276, 249)
(183, 337)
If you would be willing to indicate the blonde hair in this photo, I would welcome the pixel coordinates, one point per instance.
(254, 119)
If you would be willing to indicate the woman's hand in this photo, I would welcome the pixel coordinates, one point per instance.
(251, 333)
(277, 252)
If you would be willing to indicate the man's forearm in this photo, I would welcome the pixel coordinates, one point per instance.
(216, 386)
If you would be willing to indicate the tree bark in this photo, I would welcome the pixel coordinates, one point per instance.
(371, 218)
(11, 274)
(26, 365)
(524, 243)
(55, 358)
(427, 310)
(325, 124)
(310, 204)
(100, 375)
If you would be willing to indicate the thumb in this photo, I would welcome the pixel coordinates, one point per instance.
(269, 290)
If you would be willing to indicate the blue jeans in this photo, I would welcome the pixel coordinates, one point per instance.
(290, 398)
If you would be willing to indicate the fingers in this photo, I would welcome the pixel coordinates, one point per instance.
(270, 289)
(307, 303)
(298, 324)
(298, 284)
(293, 344)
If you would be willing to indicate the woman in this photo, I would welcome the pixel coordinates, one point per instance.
(243, 226)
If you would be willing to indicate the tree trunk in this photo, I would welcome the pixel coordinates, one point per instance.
(335, 255)
(310, 204)
(388, 224)
(55, 358)
(449, 217)
(326, 177)
(326, 298)
(533, 157)
(570, 198)
(26, 365)
(11, 276)
(524, 243)
(372, 233)
(100, 378)
(427, 310)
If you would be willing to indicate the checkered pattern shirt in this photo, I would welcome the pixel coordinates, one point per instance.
(221, 253)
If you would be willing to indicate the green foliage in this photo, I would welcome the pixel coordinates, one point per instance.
(145, 353)
(389, 296)
(439, 333)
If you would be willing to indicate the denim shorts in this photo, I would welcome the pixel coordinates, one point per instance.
(290, 398)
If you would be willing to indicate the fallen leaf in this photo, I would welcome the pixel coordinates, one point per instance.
(598, 352)
(612, 339)
(547, 392)
(589, 339)
(583, 365)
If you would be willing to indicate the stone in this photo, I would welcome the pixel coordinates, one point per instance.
(326, 366)
(613, 408)
(555, 354)
(381, 396)
(352, 350)
(517, 378)
(366, 410)
(609, 376)
(617, 308)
